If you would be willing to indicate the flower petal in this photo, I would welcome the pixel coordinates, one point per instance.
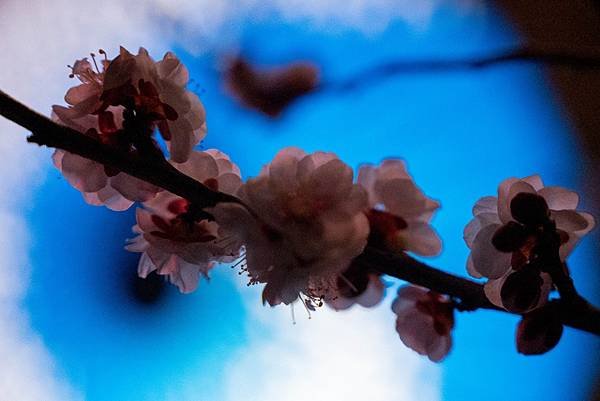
(559, 198)
(487, 260)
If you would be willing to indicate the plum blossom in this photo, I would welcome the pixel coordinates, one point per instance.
(178, 241)
(400, 211)
(119, 104)
(158, 91)
(424, 321)
(399, 215)
(509, 236)
(308, 225)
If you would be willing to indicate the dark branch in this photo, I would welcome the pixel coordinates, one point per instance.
(582, 59)
(580, 315)
(48, 133)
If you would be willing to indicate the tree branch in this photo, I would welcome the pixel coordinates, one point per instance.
(580, 315)
(46, 132)
(582, 59)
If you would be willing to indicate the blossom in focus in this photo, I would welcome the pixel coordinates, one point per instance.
(119, 104)
(424, 321)
(270, 91)
(357, 285)
(309, 225)
(508, 236)
(181, 242)
(400, 211)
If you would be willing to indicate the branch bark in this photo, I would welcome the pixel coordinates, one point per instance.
(45, 132)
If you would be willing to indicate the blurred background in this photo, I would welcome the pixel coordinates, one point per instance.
(76, 323)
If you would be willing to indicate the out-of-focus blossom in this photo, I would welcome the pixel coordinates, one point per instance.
(270, 91)
(539, 331)
(309, 225)
(120, 104)
(400, 211)
(508, 239)
(424, 321)
(157, 90)
(357, 285)
(181, 242)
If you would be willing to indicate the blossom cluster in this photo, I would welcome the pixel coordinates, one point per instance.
(120, 103)
(516, 237)
(299, 226)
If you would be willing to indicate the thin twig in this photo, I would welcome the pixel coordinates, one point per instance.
(46, 132)
(580, 59)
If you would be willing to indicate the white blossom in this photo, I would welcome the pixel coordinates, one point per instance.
(400, 212)
(174, 240)
(166, 80)
(505, 234)
(308, 225)
(424, 321)
(96, 108)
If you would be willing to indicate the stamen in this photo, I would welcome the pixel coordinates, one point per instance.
(95, 64)
(71, 75)
(239, 262)
(304, 302)
(101, 51)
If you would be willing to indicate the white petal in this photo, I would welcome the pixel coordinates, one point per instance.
(84, 174)
(471, 268)
(416, 331)
(407, 296)
(479, 222)
(421, 239)
(137, 244)
(393, 168)
(186, 278)
(487, 260)
(439, 348)
(570, 220)
(559, 198)
(487, 204)
(373, 294)
(145, 266)
(503, 199)
(403, 198)
(200, 165)
(493, 288)
(133, 188)
(535, 181)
